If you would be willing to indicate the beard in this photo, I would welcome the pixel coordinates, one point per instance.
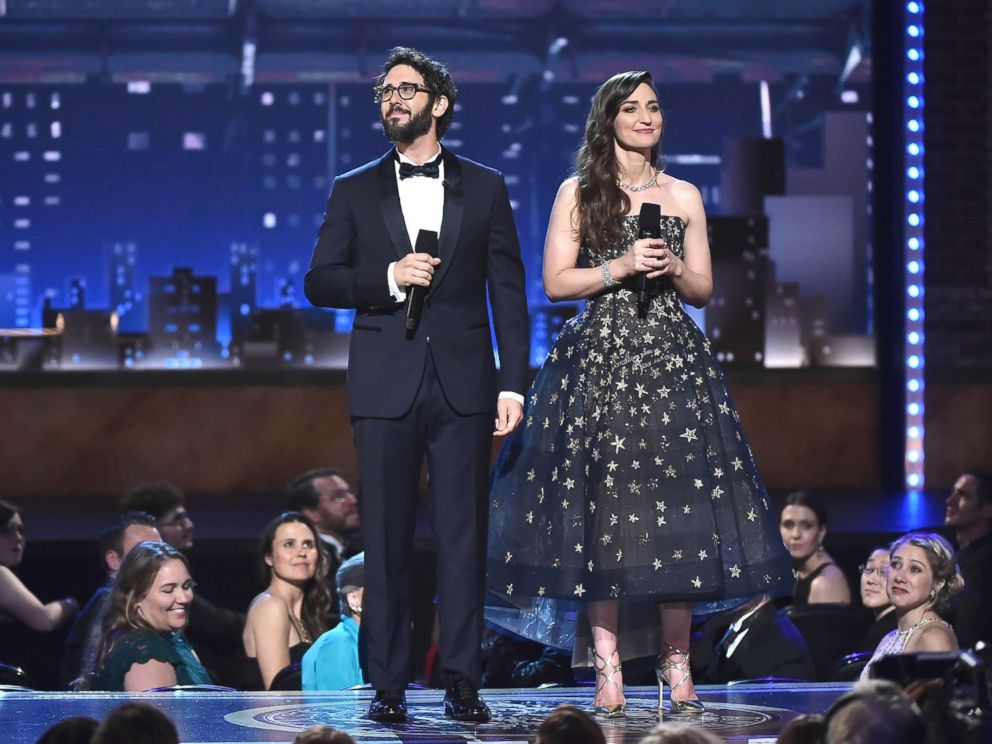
(416, 126)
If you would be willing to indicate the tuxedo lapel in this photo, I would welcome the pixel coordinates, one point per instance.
(451, 218)
(389, 203)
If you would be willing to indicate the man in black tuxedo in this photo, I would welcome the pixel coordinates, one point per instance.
(432, 392)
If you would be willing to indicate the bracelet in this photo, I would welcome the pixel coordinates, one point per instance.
(608, 279)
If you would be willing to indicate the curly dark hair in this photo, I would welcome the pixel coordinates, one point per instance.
(436, 77)
(601, 203)
(316, 595)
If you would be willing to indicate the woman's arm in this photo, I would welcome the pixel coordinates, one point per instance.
(152, 673)
(830, 586)
(268, 625)
(692, 277)
(18, 600)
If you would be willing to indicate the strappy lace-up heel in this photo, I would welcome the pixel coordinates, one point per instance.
(619, 710)
(675, 660)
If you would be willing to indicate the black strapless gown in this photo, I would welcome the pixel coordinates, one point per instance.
(631, 478)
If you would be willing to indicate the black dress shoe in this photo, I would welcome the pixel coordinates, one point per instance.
(388, 706)
(462, 702)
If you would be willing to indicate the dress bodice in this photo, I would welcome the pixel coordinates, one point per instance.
(896, 642)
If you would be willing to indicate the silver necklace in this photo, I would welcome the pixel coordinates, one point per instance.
(653, 181)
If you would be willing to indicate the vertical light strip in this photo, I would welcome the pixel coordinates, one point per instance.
(913, 214)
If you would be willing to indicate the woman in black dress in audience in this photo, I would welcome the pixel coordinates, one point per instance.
(818, 578)
(285, 619)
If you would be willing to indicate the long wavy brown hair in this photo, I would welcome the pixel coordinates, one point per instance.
(316, 595)
(601, 203)
(131, 585)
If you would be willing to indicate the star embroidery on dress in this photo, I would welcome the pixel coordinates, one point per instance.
(509, 557)
(569, 484)
(606, 539)
(635, 487)
(509, 589)
(703, 555)
(614, 520)
(564, 382)
(735, 571)
(579, 590)
(767, 578)
(592, 507)
(546, 423)
(619, 555)
(724, 408)
(677, 555)
(596, 455)
(718, 473)
(737, 463)
(540, 496)
(636, 464)
(660, 506)
(540, 591)
(554, 475)
(609, 481)
(697, 582)
(618, 442)
(687, 509)
(664, 392)
(697, 483)
(661, 521)
(633, 518)
(752, 515)
(565, 503)
(640, 390)
(659, 461)
(590, 565)
(717, 492)
(578, 547)
(531, 474)
(529, 517)
(689, 435)
(615, 590)
(622, 385)
(612, 465)
(656, 564)
(665, 418)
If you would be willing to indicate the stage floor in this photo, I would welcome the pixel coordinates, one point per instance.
(738, 713)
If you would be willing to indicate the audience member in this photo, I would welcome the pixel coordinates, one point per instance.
(803, 525)
(680, 733)
(323, 735)
(569, 725)
(874, 712)
(292, 612)
(214, 631)
(332, 662)
(969, 514)
(75, 730)
(803, 729)
(143, 645)
(83, 642)
(16, 600)
(325, 496)
(922, 577)
(760, 642)
(136, 722)
(875, 598)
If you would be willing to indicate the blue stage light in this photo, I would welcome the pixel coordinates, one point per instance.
(914, 8)
(913, 361)
(914, 267)
(913, 172)
(913, 385)
(913, 290)
(914, 480)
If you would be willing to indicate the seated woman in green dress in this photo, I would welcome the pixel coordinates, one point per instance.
(143, 645)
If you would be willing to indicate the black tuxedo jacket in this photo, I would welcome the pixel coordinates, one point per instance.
(363, 232)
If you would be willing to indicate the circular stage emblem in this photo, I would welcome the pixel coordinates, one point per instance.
(516, 716)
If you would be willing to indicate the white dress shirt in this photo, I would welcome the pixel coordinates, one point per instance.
(422, 203)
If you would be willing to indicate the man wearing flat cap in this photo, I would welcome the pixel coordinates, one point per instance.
(332, 662)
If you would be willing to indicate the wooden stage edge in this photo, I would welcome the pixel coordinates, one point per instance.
(752, 713)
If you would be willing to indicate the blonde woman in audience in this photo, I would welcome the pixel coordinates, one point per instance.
(285, 619)
(16, 599)
(922, 576)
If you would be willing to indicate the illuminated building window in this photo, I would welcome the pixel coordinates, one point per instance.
(194, 141)
(138, 140)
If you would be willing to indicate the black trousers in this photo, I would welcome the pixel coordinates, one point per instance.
(390, 455)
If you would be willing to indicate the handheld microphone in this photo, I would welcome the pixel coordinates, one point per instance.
(426, 243)
(649, 226)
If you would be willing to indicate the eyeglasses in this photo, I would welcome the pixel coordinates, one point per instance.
(406, 90)
(866, 570)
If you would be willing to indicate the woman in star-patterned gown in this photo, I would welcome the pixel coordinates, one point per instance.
(631, 484)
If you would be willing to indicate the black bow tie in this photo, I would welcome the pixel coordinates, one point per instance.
(430, 170)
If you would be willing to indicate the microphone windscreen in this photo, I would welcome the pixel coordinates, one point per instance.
(649, 220)
(427, 242)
